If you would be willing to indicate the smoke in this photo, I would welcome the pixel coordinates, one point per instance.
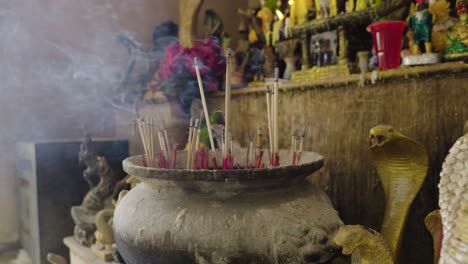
(60, 64)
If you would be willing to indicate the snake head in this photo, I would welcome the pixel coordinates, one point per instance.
(348, 238)
(380, 135)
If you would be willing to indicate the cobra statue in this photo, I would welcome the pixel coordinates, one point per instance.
(402, 165)
(453, 202)
(365, 245)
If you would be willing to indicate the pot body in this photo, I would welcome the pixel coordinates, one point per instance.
(161, 222)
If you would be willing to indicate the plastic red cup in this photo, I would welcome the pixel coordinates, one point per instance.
(387, 36)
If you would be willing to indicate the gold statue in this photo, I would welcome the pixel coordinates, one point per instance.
(365, 245)
(402, 165)
(188, 10)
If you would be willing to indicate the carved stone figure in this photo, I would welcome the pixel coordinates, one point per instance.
(453, 202)
(402, 165)
(102, 180)
(363, 244)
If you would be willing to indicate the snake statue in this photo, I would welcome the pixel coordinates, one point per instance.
(365, 245)
(453, 202)
(402, 165)
(433, 223)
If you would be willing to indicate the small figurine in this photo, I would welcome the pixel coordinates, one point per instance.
(458, 38)
(104, 235)
(421, 22)
(421, 25)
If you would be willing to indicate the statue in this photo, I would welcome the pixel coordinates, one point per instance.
(453, 202)
(458, 37)
(188, 9)
(104, 235)
(363, 244)
(421, 25)
(433, 223)
(102, 180)
(402, 164)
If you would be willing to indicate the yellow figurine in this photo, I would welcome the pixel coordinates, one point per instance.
(402, 165)
(365, 245)
(104, 235)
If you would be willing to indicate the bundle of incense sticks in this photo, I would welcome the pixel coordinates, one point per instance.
(147, 129)
(297, 142)
(254, 151)
(193, 141)
(272, 112)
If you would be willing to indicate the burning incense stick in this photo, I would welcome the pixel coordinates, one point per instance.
(189, 142)
(205, 111)
(275, 118)
(301, 144)
(270, 130)
(227, 111)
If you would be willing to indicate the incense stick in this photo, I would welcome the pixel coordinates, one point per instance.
(275, 118)
(189, 142)
(227, 111)
(270, 130)
(205, 111)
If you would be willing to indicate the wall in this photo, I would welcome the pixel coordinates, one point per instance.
(60, 63)
(431, 110)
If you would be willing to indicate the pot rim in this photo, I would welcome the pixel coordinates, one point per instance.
(311, 162)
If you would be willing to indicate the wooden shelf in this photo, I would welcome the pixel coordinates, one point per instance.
(400, 73)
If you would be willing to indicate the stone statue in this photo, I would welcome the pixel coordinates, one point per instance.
(402, 165)
(453, 202)
(363, 244)
(102, 180)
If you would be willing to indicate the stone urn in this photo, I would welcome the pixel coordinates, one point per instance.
(271, 215)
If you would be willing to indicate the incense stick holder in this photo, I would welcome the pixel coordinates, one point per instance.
(270, 215)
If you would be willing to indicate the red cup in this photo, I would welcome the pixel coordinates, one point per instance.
(387, 36)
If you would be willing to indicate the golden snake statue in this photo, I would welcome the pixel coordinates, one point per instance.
(365, 245)
(453, 202)
(402, 165)
(433, 223)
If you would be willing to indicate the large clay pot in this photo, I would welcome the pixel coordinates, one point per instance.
(240, 216)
